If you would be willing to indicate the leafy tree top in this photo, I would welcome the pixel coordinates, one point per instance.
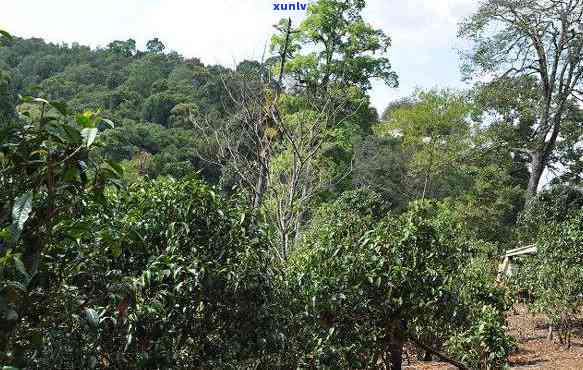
(335, 44)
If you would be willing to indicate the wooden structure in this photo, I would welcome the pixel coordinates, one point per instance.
(505, 268)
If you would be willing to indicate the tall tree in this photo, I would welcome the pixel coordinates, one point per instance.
(340, 46)
(123, 48)
(155, 46)
(435, 132)
(540, 38)
(245, 142)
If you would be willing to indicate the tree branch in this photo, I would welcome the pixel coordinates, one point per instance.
(441, 355)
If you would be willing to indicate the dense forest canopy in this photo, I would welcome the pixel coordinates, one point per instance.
(157, 212)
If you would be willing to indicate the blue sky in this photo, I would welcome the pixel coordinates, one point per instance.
(228, 31)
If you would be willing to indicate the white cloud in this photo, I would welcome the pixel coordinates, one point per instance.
(424, 35)
(228, 31)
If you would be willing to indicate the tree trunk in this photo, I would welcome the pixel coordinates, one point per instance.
(285, 241)
(260, 186)
(395, 342)
(537, 167)
(31, 254)
(396, 354)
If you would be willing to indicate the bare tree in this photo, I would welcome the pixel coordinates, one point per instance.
(539, 38)
(245, 141)
(259, 133)
(302, 172)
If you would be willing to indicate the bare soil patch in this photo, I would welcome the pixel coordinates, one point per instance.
(534, 350)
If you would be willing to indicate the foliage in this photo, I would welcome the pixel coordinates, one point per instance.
(488, 205)
(339, 47)
(380, 164)
(130, 87)
(435, 131)
(366, 287)
(555, 275)
(155, 46)
(537, 44)
(167, 275)
(48, 172)
(484, 342)
(333, 240)
(7, 99)
(569, 153)
(47, 159)
(554, 205)
(5, 37)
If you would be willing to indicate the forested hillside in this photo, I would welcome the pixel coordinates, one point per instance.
(149, 94)
(160, 213)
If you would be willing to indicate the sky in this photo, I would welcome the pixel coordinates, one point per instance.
(423, 53)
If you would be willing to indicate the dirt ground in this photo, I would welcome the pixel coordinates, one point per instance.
(534, 350)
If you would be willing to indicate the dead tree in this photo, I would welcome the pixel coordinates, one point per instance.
(245, 141)
(304, 172)
(259, 132)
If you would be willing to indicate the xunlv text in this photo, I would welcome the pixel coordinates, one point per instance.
(290, 6)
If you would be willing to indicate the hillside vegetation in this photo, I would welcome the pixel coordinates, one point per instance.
(157, 213)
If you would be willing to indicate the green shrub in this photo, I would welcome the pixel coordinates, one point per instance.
(556, 204)
(485, 344)
(365, 282)
(554, 275)
(168, 275)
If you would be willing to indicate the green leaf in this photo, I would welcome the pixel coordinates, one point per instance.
(40, 152)
(108, 173)
(6, 35)
(21, 210)
(5, 234)
(85, 119)
(89, 135)
(116, 167)
(20, 267)
(116, 250)
(61, 107)
(73, 134)
(57, 133)
(147, 278)
(71, 174)
(40, 100)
